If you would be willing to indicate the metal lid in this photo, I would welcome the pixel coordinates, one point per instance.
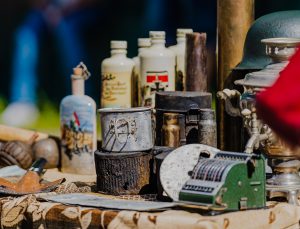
(258, 79)
(123, 110)
(182, 101)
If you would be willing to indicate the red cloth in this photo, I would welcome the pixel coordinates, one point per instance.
(279, 105)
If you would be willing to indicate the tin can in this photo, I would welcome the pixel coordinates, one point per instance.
(126, 130)
(123, 173)
(207, 129)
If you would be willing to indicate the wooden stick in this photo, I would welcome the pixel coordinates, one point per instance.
(8, 133)
(195, 64)
(234, 20)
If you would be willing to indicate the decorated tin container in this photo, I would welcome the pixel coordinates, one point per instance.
(126, 130)
(78, 127)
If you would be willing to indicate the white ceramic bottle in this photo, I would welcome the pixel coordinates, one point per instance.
(78, 127)
(157, 68)
(116, 73)
(143, 43)
(179, 50)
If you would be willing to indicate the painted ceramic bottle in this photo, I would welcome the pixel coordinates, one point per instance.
(179, 50)
(143, 43)
(157, 68)
(117, 72)
(78, 127)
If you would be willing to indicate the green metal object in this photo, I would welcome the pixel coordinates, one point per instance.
(277, 24)
(229, 181)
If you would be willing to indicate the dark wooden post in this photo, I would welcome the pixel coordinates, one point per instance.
(234, 20)
(195, 62)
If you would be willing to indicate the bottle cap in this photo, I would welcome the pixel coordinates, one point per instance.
(182, 32)
(144, 42)
(157, 35)
(118, 44)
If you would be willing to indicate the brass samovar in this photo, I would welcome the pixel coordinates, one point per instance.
(285, 180)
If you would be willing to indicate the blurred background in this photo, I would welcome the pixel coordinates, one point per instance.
(42, 40)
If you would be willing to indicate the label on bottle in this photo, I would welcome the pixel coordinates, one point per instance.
(155, 81)
(116, 90)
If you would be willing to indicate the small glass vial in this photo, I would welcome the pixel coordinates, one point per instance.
(116, 73)
(179, 50)
(157, 68)
(207, 128)
(171, 130)
(78, 127)
(143, 43)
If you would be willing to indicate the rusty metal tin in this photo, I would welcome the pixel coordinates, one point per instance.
(207, 128)
(126, 130)
(122, 173)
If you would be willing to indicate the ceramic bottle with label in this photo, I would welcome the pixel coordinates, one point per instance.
(143, 43)
(179, 50)
(116, 73)
(78, 127)
(157, 68)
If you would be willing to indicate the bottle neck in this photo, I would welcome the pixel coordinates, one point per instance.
(180, 40)
(77, 85)
(118, 52)
(141, 49)
(158, 43)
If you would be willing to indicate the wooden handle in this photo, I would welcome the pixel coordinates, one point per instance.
(8, 133)
(195, 62)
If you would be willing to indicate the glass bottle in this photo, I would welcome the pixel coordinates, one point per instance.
(179, 50)
(116, 76)
(78, 126)
(157, 68)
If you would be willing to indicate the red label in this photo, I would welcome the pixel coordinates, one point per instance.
(158, 77)
(151, 78)
(163, 78)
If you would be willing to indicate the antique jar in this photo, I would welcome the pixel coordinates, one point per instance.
(143, 43)
(157, 68)
(179, 50)
(116, 77)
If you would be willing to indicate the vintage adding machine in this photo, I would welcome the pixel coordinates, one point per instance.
(187, 105)
(227, 182)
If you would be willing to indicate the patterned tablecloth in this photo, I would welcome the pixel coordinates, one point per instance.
(29, 212)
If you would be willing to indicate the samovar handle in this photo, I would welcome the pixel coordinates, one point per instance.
(227, 95)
